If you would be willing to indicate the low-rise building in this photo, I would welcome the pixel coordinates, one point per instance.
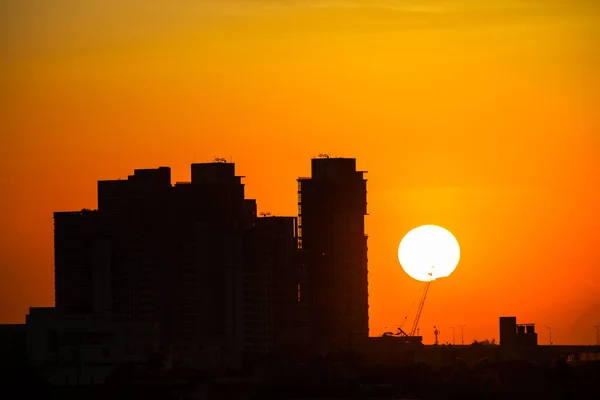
(84, 349)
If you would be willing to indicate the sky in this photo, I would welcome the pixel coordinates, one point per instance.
(479, 116)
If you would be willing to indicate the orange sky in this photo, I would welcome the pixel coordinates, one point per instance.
(481, 116)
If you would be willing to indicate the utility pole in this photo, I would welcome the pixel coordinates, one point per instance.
(550, 329)
(453, 335)
(597, 334)
(462, 334)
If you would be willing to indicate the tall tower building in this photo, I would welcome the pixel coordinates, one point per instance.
(154, 252)
(76, 261)
(133, 238)
(333, 252)
(270, 286)
(208, 219)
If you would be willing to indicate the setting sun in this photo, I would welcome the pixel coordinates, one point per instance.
(429, 252)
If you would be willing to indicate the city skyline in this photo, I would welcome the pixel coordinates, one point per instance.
(162, 175)
(189, 279)
(476, 117)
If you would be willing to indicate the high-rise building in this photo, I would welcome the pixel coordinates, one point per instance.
(270, 285)
(333, 286)
(134, 240)
(154, 252)
(209, 217)
(76, 260)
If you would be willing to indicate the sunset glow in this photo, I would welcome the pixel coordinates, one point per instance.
(479, 115)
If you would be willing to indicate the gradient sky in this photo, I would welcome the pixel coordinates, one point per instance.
(480, 116)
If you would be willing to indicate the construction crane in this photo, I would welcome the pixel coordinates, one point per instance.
(415, 326)
(420, 310)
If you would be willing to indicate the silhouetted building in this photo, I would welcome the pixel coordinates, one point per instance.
(72, 349)
(517, 341)
(209, 218)
(508, 331)
(516, 335)
(133, 243)
(526, 335)
(270, 285)
(76, 261)
(333, 288)
(154, 252)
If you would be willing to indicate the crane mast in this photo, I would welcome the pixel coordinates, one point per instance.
(419, 310)
(415, 326)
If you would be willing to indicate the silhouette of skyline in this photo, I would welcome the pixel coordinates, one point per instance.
(164, 233)
(445, 104)
(186, 281)
(196, 259)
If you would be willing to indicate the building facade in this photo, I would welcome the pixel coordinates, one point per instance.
(333, 252)
(163, 253)
(209, 218)
(270, 286)
(77, 257)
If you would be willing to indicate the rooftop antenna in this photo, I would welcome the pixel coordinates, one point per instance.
(550, 330)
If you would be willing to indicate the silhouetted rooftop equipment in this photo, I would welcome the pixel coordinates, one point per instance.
(530, 328)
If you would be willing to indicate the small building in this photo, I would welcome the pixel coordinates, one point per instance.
(517, 341)
(392, 350)
(517, 335)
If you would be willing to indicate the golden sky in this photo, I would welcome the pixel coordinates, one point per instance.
(480, 116)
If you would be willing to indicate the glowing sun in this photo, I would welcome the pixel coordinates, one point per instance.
(429, 252)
